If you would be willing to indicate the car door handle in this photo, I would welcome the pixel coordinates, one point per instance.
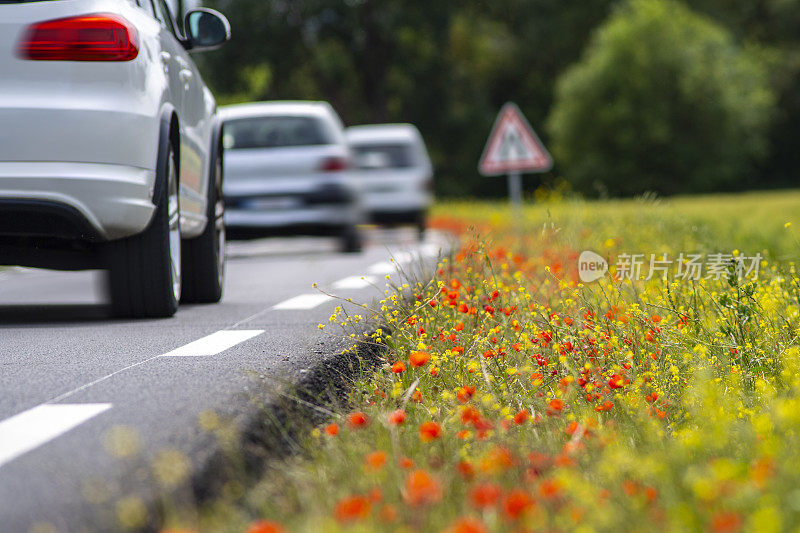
(186, 75)
(165, 57)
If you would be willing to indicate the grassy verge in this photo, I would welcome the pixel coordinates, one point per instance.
(516, 398)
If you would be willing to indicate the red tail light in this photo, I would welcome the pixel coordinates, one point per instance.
(98, 37)
(335, 164)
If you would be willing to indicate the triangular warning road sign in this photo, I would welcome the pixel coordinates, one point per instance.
(513, 146)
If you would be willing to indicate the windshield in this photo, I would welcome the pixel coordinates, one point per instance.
(275, 132)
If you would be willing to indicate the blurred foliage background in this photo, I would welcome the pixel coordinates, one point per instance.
(630, 95)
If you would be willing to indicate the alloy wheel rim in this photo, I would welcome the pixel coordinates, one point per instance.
(220, 225)
(219, 222)
(174, 231)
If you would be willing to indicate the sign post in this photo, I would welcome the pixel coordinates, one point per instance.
(513, 148)
(515, 188)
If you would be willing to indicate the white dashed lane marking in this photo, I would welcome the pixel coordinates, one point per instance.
(303, 302)
(30, 429)
(215, 343)
(382, 268)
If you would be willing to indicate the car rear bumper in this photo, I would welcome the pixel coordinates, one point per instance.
(104, 201)
(396, 202)
(321, 217)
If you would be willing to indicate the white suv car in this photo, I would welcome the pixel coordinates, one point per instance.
(110, 148)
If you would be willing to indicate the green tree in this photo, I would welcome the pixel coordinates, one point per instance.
(662, 100)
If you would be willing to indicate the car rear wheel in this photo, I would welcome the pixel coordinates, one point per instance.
(421, 222)
(204, 256)
(145, 269)
(351, 241)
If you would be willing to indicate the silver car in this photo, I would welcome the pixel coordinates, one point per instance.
(394, 171)
(287, 171)
(110, 149)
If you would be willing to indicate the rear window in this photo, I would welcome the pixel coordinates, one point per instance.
(275, 132)
(383, 156)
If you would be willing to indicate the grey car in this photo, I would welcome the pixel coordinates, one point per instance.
(287, 172)
(394, 171)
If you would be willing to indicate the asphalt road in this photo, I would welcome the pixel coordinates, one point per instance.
(69, 374)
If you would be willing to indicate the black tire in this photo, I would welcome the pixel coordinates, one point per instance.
(351, 241)
(204, 256)
(141, 269)
(421, 222)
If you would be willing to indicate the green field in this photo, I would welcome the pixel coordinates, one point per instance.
(723, 222)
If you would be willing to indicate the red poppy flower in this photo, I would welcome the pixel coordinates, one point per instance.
(352, 508)
(467, 525)
(516, 503)
(375, 460)
(465, 393)
(418, 359)
(726, 522)
(555, 406)
(332, 430)
(265, 526)
(466, 469)
(397, 417)
(429, 431)
(616, 381)
(485, 495)
(549, 488)
(357, 420)
(498, 460)
(605, 406)
(421, 488)
(399, 367)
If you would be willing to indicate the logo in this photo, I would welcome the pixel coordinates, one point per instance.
(591, 266)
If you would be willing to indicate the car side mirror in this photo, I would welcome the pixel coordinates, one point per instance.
(206, 29)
